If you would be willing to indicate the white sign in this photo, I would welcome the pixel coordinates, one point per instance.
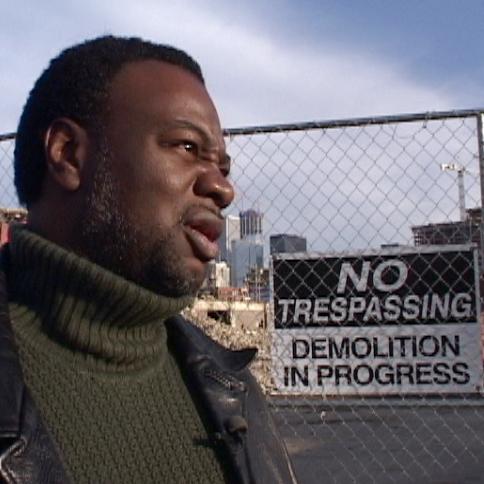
(377, 323)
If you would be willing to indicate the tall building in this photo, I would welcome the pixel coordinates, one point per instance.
(287, 243)
(247, 254)
(250, 223)
(231, 232)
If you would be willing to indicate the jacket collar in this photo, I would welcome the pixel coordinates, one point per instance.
(27, 453)
(238, 418)
(193, 343)
(216, 376)
(11, 381)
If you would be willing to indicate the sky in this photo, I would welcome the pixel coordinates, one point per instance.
(273, 61)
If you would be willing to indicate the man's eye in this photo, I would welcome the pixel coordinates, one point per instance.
(190, 147)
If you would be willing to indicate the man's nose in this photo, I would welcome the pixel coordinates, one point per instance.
(213, 184)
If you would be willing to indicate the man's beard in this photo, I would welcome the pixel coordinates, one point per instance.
(132, 250)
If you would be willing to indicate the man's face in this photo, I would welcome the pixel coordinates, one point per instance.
(153, 207)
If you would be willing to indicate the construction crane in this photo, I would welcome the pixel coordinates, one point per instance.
(460, 184)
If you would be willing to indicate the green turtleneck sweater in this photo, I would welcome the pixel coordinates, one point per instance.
(94, 355)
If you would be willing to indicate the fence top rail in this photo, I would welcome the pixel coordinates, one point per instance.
(7, 136)
(351, 122)
(337, 123)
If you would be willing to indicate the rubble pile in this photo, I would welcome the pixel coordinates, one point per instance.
(238, 338)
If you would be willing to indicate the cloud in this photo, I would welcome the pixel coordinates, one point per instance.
(277, 83)
(257, 78)
(254, 77)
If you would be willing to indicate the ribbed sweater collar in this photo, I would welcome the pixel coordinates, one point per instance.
(94, 315)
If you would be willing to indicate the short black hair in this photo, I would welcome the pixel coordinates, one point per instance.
(76, 85)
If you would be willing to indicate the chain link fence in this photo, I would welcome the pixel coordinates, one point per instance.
(374, 328)
(371, 350)
(8, 197)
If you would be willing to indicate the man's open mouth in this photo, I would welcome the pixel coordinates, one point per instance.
(203, 228)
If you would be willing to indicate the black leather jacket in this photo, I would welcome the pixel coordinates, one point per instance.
(227, 390)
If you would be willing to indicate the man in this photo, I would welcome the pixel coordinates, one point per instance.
(121, 162)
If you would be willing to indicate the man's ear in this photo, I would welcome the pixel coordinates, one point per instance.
(66, 146)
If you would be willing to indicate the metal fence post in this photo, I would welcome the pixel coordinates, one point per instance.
(480, 151)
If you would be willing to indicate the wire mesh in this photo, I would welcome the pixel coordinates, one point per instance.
(8, 196)
(383, 216)
(388, 209)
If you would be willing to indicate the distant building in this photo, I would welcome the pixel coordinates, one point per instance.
(218, 275)
(257, 281)
(462, 232)
(250, 223)
(287, 243)
(246, 255)
(231, 232)
(7, 216)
